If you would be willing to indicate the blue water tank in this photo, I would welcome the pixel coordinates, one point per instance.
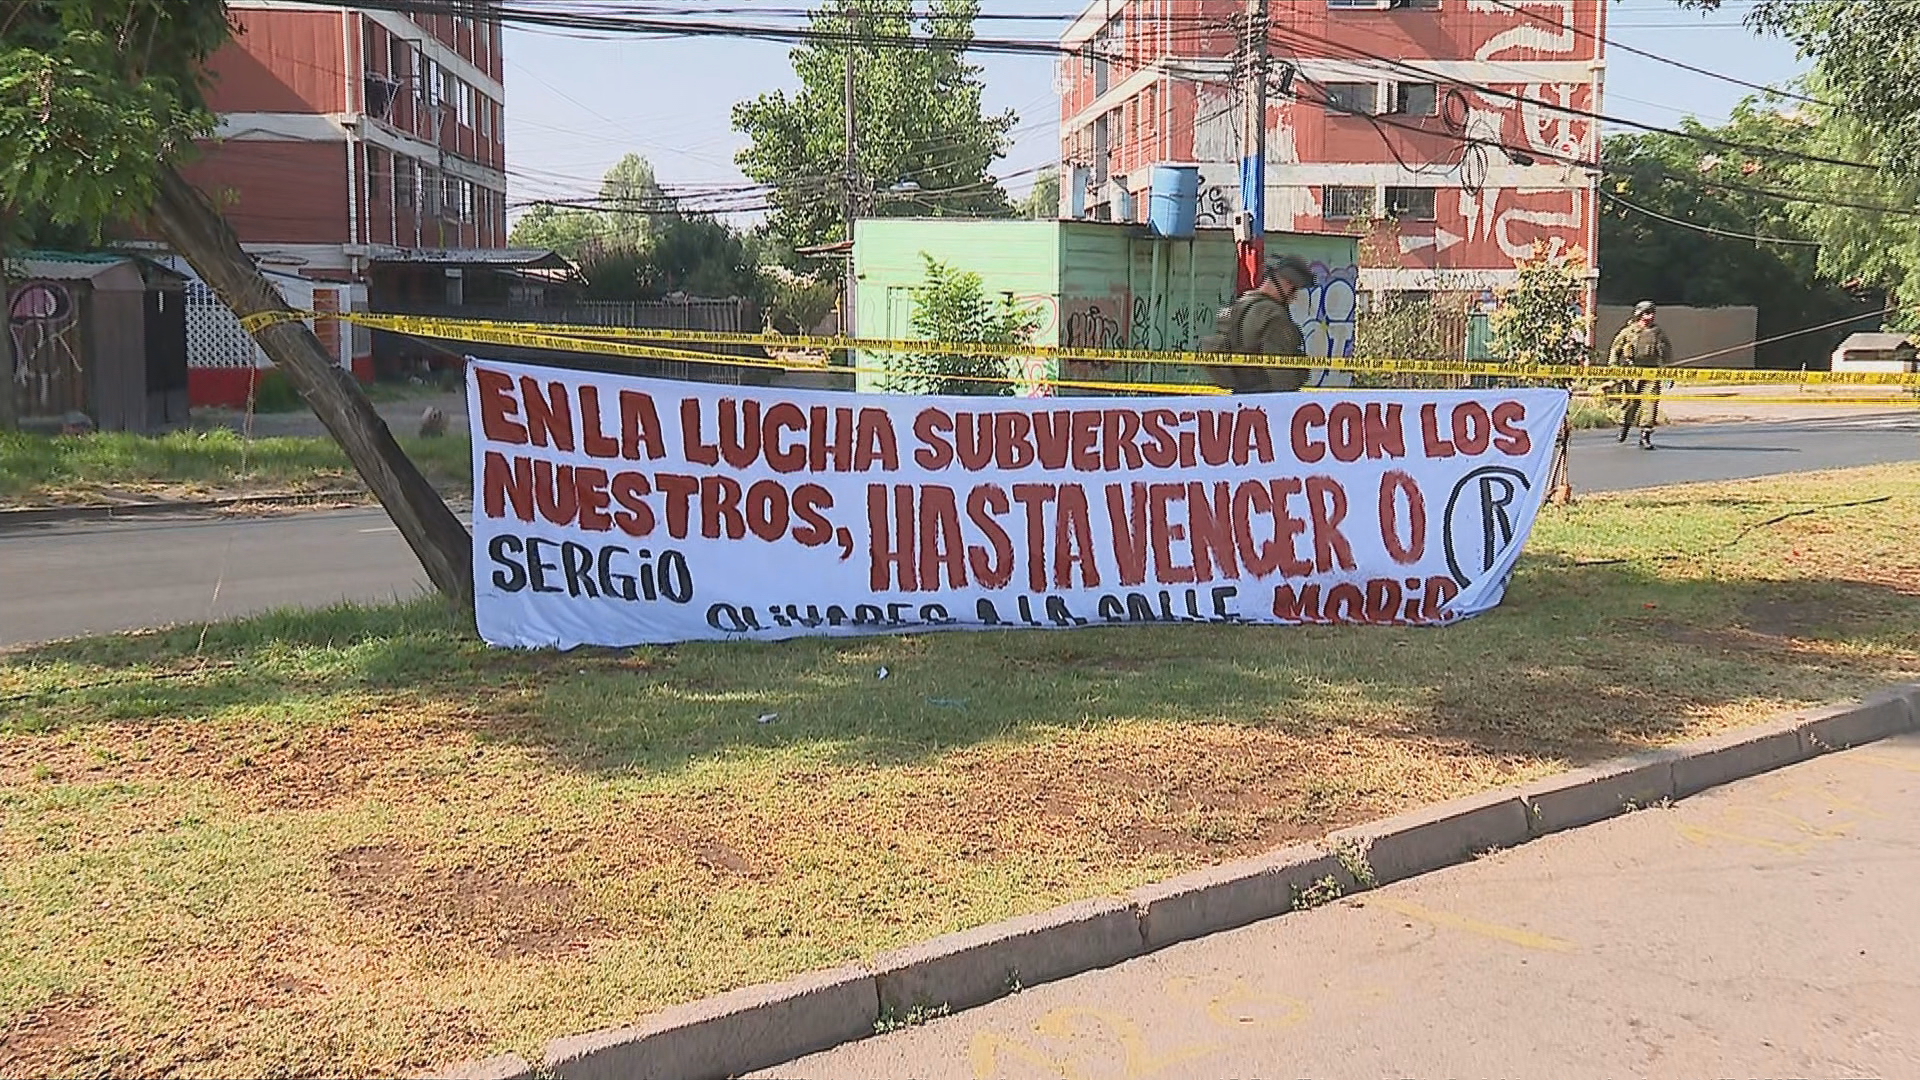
(1175, 200)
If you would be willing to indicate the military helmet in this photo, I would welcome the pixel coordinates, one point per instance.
(1644, 307)
(1290, 267)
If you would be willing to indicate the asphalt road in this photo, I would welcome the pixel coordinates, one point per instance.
(1613, 951)
(59, 581)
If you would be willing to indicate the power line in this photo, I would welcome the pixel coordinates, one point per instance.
(1427, 75)
(1611, 197)
(1656, 57)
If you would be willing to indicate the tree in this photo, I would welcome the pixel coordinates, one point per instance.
(1542, 319)
(630, 204)
(1669, 234)
(1860, 103)
(1043, 202)
(953, 306)
(100, 100)
(919, 113)
(693, 254)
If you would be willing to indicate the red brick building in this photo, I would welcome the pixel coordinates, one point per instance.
(344, 132)
(1447, 124)
(359, 151)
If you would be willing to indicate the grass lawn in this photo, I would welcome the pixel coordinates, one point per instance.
(358, 843)
(39, 470)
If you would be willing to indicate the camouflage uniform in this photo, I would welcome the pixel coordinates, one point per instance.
(1638, 345)
(1260, 323)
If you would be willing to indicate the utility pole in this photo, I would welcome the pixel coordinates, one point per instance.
(852, 166)
(1251, 242)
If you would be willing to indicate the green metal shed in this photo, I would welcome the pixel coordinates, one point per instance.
(1093, 284)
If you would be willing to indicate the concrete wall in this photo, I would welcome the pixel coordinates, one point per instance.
(1695, 332)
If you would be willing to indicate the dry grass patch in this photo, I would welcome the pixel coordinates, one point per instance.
(356, 842)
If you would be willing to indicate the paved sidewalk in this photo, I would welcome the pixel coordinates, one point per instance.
(1767, 928)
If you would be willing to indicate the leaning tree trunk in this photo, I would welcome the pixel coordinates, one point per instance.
(195, 228)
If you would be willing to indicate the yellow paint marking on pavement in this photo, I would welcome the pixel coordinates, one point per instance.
(1526, 939)
(1706, 835)
(1888, 762)
(1139, 1063)
(1096, 1033)
(1232, 1003)
(1822, 795)
(991, 1051)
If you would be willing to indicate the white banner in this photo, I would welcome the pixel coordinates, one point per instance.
(611, 510)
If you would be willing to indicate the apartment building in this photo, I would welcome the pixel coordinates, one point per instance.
(1448, 131)
(349, 133)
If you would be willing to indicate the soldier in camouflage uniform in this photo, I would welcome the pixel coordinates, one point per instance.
(1259, 322)
(1640, 343)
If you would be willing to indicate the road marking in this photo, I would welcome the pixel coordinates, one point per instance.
(381, 529)
(1891, 763)
(1232, 1003)
(1526, 939)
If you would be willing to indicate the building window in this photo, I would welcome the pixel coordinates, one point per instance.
(1379, 5)
(486, 116)
(1346, 203)
(1358, 98)
(1411, 203)
(403, 170)
(1416, 98)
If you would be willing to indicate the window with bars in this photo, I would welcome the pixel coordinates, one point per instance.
(1412, 203)
(1352, 98)
(403, 182)
(1346, 203)
(1416, 98)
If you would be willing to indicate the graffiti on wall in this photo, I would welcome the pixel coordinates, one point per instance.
(1333, 305)
(1218, 201)
(44, 321)
(1095, 326)
(1544, 26)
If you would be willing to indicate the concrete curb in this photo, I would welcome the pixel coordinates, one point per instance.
(31, 515)
(761, 1027)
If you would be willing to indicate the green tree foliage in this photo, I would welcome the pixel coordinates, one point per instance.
(798, 303)
(1542, 318)
(1398, 328)
(1669, 234)
(96, 98)
(1043, 202)
(636, 246)
(953, 306)
(631, 203)
(920, 120)
(692, 254)
(1866, 109)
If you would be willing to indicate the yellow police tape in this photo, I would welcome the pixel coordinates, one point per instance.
(600, 338)
(571, 342)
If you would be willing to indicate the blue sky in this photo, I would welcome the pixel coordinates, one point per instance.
(575, 106)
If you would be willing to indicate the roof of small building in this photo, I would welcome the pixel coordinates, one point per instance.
(521, 258)
(1868, 341)
(104, 269)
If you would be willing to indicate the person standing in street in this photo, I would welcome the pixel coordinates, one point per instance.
(1261, 323)
(1641, 343)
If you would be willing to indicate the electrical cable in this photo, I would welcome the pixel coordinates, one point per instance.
(1710, 230)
